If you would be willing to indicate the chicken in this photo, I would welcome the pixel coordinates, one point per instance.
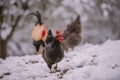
(54, 51)
(72, 34)
(39, 34)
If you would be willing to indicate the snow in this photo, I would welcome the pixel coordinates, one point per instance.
(87, 62)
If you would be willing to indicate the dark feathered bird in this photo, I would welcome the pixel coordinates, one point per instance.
(54, 51)
(39, 34)
(72, 35)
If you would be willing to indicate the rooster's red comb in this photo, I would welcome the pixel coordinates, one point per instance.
(58, 33)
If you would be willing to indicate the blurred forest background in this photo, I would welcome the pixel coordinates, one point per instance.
(100, 21)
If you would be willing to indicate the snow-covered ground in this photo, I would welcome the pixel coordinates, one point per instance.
(87, 62)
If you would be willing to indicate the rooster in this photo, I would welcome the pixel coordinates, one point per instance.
(54, 51)
(72, 34)
(39, 34)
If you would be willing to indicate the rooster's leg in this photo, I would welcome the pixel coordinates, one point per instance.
(50, 67)
(55, 66)
(51, 71)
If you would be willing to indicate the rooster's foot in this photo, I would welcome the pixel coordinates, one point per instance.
(52, 70)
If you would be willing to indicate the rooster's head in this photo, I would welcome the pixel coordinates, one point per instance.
(59, 36)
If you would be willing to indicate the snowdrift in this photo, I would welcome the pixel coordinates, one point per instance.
(87, 62)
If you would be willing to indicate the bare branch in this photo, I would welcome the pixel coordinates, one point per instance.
(13, 28)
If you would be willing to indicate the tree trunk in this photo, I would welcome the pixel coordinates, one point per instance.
(3, 49)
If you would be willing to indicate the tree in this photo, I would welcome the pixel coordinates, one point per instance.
(10, 19)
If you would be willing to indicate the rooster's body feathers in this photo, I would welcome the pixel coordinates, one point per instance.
(38, 31)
